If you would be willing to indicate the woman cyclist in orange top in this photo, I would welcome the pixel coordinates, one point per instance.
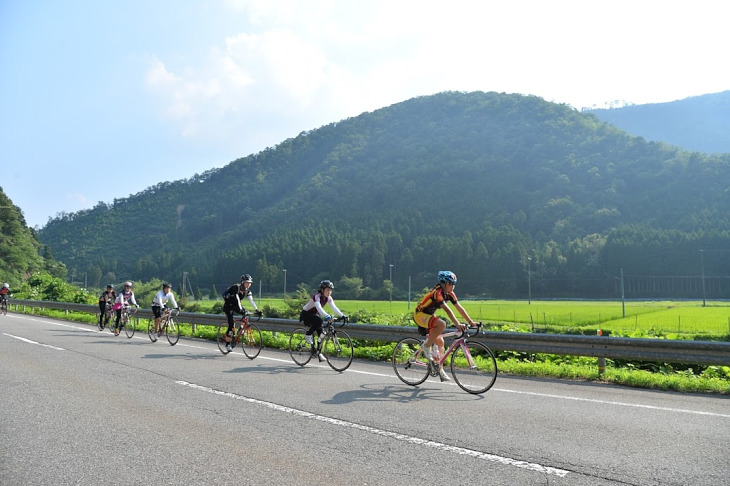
(437, 298)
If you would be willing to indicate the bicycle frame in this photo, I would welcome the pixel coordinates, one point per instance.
(460, 341)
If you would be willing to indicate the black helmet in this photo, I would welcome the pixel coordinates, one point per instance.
(109, 286)
(246, 278)
(166, 284)
(326, 284)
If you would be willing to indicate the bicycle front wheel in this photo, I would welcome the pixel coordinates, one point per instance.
(221, 338)
(474, 367)
(338, 350)
(409, 364)
(299, 349)
(101, 322)
(151, 331)
(251, 341)
(129, 327)
(172, 331)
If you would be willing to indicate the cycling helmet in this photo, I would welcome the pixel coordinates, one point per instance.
(6, 285)
(166, 285)
(246, 278)
(446, 276)
(326, 284)
(109, 286)
(127, 284)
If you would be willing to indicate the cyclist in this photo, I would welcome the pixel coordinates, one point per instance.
(313, 313)
(232, 303)
(428, 324)
(107, 296)
(4, 292)
(125, 297)
(160, 302)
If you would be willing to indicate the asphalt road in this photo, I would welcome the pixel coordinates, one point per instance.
(82, 407)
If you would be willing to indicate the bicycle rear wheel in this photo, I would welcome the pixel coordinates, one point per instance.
(172, 331)
(338, 350)
(129, 327)
(251, 341)
(476, 371)
(221, 338)
(299, 349)
(411, 367)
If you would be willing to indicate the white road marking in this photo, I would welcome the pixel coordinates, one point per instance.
(384, 433)
(33, 342)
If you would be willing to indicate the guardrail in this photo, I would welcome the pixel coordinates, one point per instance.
(661, 350)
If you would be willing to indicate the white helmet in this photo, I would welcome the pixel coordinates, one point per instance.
(6, 285)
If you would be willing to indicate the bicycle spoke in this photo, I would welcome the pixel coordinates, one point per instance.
(338, 350)
(221, 338)
(172, 331)
(251, 341)
(299, 349)
(129, 327)
(411, 368)
(474, 367)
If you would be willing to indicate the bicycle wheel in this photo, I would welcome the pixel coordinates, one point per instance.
(299, 349)
(151, 331)
(251, 341)
(338, 350)
(474, 367)
(172, 331)
(412, 368)
(129, 327)
(4, 309)
(221, 337)
(101, 322)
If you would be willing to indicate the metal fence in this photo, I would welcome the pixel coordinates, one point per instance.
(660, 350)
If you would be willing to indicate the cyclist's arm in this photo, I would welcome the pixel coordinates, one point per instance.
(174, 302)
(253, 304)
(133, 300)
(451, 314)
(464, 314)
(334, 307)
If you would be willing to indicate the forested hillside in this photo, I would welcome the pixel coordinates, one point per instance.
(474, 182)
(21, 254)
(700, 123)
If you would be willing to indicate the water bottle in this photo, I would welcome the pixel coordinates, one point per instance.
(436, 355)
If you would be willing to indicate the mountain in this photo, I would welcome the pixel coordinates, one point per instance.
(700, 123)
(474, 182)
(21, 254)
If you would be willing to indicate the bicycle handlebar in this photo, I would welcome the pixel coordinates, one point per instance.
(344, 320)
(465, 333)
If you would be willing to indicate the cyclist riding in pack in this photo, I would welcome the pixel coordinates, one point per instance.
(232, 303)
(438, 298)
(107, 296)
(313, 313)
(4, 291)
(159, 302)
(125, 297)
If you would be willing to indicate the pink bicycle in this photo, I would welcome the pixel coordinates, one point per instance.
(473, 365)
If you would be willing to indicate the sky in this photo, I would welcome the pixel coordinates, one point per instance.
(103, 99)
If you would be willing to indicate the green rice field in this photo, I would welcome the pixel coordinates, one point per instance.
(641, 317)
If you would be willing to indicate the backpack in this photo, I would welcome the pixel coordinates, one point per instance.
(230, 291)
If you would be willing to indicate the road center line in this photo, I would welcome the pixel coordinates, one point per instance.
(384, 433)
